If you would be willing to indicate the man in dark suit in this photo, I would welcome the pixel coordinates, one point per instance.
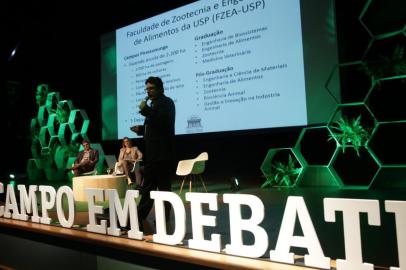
(86, 159)
(158, 131)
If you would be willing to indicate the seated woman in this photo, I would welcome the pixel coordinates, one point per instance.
(128, 158)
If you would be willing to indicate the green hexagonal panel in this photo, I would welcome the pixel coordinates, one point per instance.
(52, 101)
(53, 174)
(62, 153)
(35, 172)
(69, 163)
(388, 143)
(44, 136)
(317, 145)
(79, 120)
(354, 83)
(41, 93)
(47, 160)
(318, 176)
(53, 124)
(387, 98)
(79, 137)
(350, 30)
(34, 128)
(280, 156)
(352, 124)
(389, 177)
(65, 133)
(385, 57)
(35, 148)
(56, 132)
(381, 17)
(42, 116)
(63, 111)
(52, 145)
(352, 169)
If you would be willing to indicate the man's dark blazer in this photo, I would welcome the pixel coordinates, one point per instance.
(159, 129)
(93, 157)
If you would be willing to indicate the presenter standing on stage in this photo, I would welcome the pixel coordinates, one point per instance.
(159, 132)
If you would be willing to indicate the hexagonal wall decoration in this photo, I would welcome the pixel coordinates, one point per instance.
(79, 120)
(53, 124)
(385, 57)
(352, 124)
(354, 169)
(65, 133)
(317, 145)
(353, 78)
(35, 148)
(64, 109)
(386, 99)
(57, 131)
(356, 36)
(389, 176)
(375, 11)
(318, 176)
(52, 101)
(42, 116)
(35, 171)
(371, 96)
(282, 167)
(44, 136)
(34, 127)
(388, 143)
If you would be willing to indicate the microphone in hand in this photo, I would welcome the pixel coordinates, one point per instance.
(135, 129)
(143, 103)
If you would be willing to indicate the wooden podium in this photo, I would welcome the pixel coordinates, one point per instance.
(107, 181)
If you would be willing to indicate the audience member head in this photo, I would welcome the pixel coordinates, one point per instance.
(126, 142)
(86, 144)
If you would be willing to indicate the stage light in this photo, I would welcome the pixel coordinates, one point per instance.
(234, 184)
(11, 178)
(13, 52)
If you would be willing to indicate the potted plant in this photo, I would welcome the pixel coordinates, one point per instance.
(349, 132)
(383, 66)
(283, 174)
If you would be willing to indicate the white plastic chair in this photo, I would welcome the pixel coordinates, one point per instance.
(192, 169)
(111, 162)
(92, 172)
(135, 167)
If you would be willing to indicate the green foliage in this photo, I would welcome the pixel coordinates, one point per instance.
(41, 94)
(283, 174)
(72, 149)
(62, 114)
(349, 132)
(384, 66)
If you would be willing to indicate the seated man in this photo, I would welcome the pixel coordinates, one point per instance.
(128, 160)
(86, 159)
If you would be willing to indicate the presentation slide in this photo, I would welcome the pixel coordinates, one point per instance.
(229, 65)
